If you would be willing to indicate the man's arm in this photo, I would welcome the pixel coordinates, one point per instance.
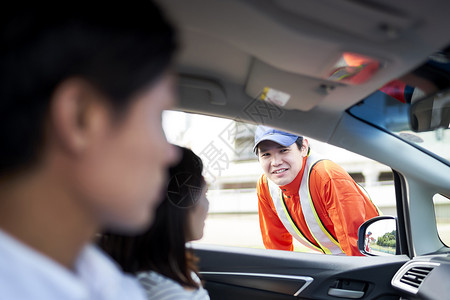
(345, 203)
(274, 234)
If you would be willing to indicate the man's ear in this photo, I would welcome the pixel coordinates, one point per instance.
(305, 147)
(76, 112)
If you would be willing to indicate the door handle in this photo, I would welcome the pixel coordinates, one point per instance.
(349, 294)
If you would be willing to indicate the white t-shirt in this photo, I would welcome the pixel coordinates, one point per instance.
(27, 274)
(159, 287)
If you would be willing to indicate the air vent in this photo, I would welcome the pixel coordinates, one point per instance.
(415, 276)
(411, 275)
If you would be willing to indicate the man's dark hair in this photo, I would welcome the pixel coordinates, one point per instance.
(162, 248)
(299, 142)
(117, 47)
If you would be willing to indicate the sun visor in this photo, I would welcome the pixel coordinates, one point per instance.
(286, 89)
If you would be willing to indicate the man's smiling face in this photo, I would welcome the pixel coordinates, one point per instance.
(280, 164)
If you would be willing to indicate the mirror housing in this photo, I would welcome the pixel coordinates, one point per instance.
(430, 112)
(378, 236)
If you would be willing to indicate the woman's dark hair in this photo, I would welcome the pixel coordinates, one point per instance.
(162, 247)
(118, 48)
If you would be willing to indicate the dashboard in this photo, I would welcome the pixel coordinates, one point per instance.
(425, 277)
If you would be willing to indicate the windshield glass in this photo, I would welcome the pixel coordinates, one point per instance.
(390, 107)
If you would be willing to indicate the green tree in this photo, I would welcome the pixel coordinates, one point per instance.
(387, 240)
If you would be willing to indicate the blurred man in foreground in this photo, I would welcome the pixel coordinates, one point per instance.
(83, 86)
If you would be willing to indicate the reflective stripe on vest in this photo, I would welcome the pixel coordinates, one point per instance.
(328, 244)
(283, 214)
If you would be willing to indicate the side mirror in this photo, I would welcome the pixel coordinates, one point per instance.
(378, 236)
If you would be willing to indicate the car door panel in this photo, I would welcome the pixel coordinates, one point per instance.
(227, 291)
(240, 273)
(283, 284)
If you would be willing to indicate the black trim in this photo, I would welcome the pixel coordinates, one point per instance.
(402, 215)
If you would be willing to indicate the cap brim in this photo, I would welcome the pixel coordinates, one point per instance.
(281, 139)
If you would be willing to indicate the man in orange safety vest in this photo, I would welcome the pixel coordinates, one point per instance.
(306, 197)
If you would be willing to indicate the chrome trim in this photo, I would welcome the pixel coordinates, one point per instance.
(307, 279)
(405, 268)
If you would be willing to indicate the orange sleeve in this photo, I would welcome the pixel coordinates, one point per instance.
(347, 206)
(274, 234)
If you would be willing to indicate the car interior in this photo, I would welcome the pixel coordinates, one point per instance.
(331, 70)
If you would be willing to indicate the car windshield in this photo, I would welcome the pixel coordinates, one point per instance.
(390, 107)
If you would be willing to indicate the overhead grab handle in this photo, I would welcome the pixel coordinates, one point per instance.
(215, 91)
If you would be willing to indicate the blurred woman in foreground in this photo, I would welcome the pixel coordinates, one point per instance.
(159, 257)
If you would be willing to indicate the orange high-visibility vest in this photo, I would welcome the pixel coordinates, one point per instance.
(327, 243)
(331, 196)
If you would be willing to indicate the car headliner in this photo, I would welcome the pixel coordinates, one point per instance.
(298, 41)
(226, 46)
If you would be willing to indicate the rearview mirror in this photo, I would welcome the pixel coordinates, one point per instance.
(378, 236)
(431, 112)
